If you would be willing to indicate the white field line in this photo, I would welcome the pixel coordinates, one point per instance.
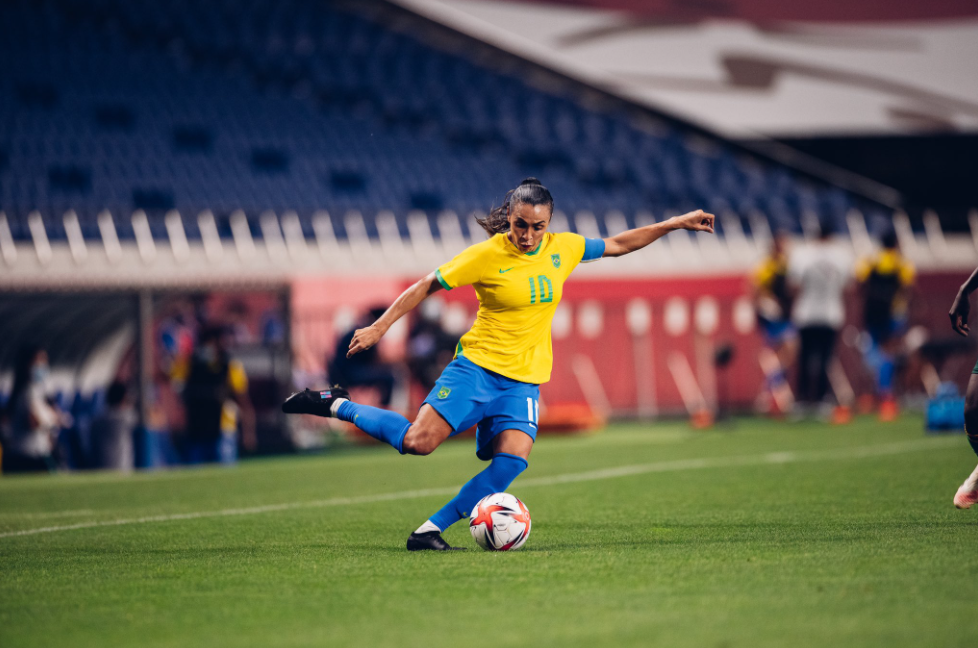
(49, 514)
(770, 458)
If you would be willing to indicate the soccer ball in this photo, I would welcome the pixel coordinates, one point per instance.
(500, 522)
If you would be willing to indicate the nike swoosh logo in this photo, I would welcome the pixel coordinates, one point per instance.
(501, 271)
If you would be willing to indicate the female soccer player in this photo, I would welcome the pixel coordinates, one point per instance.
(494, 380)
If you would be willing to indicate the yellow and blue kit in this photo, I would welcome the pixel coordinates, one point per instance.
(885, 278)
(774, 313)
(494, 380)
(500, 363)
(518, 294)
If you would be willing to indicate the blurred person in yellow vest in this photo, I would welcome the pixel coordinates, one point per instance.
(214, 390)
(885, 280)
(772, 303)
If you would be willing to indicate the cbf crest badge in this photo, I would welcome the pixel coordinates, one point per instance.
(555, 258)
(444, 392)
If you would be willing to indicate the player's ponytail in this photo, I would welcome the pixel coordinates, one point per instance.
(529, 192)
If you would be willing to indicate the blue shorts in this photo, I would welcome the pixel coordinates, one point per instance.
(466, 394)
(893, 327)
(777, 331)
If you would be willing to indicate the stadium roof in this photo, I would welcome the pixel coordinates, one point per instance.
(746, 68)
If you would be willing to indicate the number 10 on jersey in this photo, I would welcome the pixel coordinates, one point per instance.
(533, 411)
(546, 289)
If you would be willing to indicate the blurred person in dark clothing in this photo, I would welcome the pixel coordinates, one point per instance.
(111, 431)
(885, 280)
(364, 369)
(31, 419)
(215, 392)
(430, 348)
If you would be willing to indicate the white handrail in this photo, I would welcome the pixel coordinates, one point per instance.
(110, 238)
(7, 246)
(862, 244)
(213, 247)
(144, 236)
(272, 234)
(177, 235)
(450, 233)
(322, 225)
(40, 235)
(294, 239)
(422, 240)
(241, 232)
(76, 241)
(391, 243)
(935, 234)
(973, 222)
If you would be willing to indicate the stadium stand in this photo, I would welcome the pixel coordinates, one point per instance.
(226, 105)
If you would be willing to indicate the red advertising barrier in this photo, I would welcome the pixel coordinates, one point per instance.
(629, 346)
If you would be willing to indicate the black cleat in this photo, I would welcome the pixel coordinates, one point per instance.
(430, 541)
(316, 402)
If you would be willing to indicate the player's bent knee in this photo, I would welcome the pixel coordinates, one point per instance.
(420, 441)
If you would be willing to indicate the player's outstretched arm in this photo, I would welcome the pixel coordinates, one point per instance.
(961, 306)
(365, 338)
(636, 239)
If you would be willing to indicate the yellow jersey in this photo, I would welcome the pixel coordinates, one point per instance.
(887, 262)
(237, 383)
(885, 278)
(518, 295)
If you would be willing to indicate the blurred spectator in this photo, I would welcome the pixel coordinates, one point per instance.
(238, 326)
(176, 334)
(32, 419)
(111, 431)
(430, 348)
(819, 275)
(215, 392)
(272, 327)
(772, 303)
(885, 281)
(365, 369)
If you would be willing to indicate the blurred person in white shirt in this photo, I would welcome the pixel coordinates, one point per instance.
(819, 274)
(32, 420)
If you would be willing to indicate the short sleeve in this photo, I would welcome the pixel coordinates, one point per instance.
(907, 274)
(180, 369)
(593, 250)
(762, 275)
(863, 269)
(466, 268)
(237, 380)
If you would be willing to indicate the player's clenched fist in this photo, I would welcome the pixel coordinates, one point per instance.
(697, 221)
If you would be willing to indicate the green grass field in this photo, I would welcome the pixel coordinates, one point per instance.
(767, 534)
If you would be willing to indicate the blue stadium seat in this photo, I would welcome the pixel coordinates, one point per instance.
(225, 105)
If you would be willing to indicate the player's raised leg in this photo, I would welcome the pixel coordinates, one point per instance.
(511, 449)
(427, 432)
(967, 494)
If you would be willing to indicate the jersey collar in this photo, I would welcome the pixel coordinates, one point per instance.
(535, 251)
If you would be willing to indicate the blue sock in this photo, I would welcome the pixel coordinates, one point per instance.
(501, 472)
(776, 379)
(383, 425)
(884, 376)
